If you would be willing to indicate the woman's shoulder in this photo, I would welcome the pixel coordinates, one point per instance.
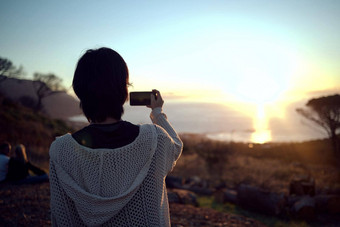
(155, 129)
(59, 143)
(62, 139)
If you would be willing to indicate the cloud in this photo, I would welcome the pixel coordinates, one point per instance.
(330, 91)
(172, 96)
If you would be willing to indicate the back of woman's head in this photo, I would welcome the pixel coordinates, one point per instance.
(20, 153)
(100, 81)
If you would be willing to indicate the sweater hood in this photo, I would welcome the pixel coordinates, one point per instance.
(84, 174)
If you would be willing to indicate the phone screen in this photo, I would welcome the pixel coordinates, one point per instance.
(140, 98)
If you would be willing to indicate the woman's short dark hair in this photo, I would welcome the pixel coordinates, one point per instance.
(100, 81)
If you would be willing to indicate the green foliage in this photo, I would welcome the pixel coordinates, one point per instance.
(208, 201)
(205, 201)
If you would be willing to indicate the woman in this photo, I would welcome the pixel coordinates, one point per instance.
(19, 168)
(111, 172)
(5, 149)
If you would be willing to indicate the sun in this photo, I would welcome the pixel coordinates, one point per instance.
(259, 88)
(262, 73)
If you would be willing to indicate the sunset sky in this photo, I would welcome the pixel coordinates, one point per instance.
(253, 56)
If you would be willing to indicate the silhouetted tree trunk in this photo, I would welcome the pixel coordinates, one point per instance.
(335, 143)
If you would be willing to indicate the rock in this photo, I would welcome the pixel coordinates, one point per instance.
(198, 190)
(302, 185)
(291, 200)
(196, 181)
(226, 196)
(256, 199)
(328, 204)
(174, 182)
(173, 197)
(321, 203)
(183, 197)
(193, 184)
(221, 186)
(298, 165)
(304, 208)
(334, 205)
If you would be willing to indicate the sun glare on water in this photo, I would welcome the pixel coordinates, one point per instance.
(262, 133)
(260, 90)
(254, 77)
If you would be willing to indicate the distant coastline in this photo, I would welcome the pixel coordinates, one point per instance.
(219, 123)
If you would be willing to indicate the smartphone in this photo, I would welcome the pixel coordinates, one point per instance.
(140, 98)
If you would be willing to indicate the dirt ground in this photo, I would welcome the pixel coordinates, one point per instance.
(28, 205)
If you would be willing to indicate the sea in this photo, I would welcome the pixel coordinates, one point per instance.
(219, 122)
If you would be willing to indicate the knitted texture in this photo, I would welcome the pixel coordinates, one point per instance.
(114, 187)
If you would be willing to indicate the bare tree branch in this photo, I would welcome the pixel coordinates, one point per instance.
(46, 85)
(7, 70)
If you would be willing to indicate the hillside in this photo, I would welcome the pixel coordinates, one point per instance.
(19, 124)
(269, 166)
(57, 106)
(28, 205)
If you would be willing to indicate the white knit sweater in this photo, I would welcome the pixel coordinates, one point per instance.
(114, 187)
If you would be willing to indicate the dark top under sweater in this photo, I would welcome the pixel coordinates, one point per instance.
(110, 136)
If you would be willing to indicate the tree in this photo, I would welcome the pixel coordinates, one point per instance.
(325, 112)
(46, 85)
(7, 69)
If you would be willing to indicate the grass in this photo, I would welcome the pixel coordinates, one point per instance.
(208, 201)
(270, 167)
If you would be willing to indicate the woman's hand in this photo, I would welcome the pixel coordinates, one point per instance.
(156, 99)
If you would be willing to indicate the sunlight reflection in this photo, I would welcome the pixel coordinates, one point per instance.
(262, 133)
